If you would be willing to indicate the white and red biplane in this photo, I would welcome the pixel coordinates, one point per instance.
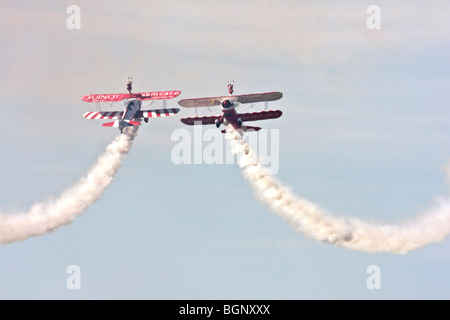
(229, 105)
(132, 102)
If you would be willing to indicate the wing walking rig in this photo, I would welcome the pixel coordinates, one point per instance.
(133, 115)
(229, 114)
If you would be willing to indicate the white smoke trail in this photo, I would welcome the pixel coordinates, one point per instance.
(47, 216)
(351, 233)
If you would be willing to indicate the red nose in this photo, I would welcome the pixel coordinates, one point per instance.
(226, 104)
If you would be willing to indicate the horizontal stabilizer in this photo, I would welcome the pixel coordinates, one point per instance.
(250, 128)
(122, 123)
(133, 123)
(238, 130)
(111, 124)
(243, 129)
(190, 121)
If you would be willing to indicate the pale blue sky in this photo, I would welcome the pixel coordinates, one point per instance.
(365, 133)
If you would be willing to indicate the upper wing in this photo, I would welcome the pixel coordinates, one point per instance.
(190, 121)
(244, 98)
(158, 113)
(201, 102)
(259, 97)
(261, 115)
(122, 96)
(156, 95)
(113, 115)
(105, 97)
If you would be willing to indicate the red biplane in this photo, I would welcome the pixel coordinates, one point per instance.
(132, 102)
(229, 105)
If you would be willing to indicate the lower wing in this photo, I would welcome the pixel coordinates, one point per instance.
(156, 113)
(113, 115)
(261, 115)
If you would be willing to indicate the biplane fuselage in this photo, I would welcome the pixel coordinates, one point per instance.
(230, 115)
(131, 113)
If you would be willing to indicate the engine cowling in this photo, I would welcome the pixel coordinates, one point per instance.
(227, 105)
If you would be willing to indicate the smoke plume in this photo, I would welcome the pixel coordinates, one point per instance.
(351, 233)
(44, 217)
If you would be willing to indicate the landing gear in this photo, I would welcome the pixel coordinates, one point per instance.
(239, 122)
(217, 123)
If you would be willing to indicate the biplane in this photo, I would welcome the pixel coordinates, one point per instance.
(229, 105)
(133, 115)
